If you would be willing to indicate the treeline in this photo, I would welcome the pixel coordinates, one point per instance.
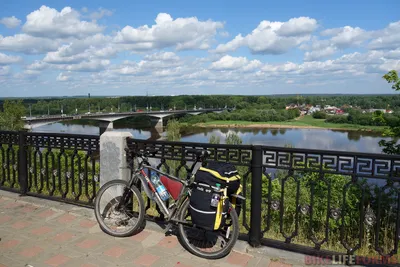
(124, 104)
(256, 115)
(377, 118)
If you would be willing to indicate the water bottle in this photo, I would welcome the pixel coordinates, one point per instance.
(162, 191)
(215, 198)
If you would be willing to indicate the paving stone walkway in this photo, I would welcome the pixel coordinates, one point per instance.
(39, 233)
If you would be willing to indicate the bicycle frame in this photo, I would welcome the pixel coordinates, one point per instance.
(152, 193)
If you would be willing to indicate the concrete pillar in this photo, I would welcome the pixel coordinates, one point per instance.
(28, 127)
(155, 133)
(113, 163)
(157, 123)
(105, 126)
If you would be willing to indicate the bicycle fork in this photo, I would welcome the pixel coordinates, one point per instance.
(125, 198)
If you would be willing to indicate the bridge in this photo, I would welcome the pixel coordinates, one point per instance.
(106, 119)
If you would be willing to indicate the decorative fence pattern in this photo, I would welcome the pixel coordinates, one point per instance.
(55, 166)
(9, 151)
(325, 200)
(298, 199)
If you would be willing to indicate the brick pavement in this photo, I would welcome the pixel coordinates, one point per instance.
(41, 235)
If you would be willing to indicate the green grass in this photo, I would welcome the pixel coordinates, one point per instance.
(303, 122)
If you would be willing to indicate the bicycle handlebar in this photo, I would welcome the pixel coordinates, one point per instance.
(198, 152)
(146, 153)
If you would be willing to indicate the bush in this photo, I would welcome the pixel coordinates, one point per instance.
(319, 115)
(337, 119)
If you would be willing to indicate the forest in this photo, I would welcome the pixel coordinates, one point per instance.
(54, 106)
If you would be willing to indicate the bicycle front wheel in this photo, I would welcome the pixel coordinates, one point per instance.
(208, 244)
(125, 220)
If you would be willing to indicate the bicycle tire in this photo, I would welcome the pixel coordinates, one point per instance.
(214, 255)
(140, 218)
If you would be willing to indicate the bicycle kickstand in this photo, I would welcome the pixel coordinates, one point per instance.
(168, 229)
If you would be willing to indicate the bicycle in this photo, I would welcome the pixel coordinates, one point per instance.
(128, 197)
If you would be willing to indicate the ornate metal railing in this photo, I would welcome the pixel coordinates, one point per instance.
(295, 198)
(9, 151)
(309, 199)
(171, 158)
(57, 166)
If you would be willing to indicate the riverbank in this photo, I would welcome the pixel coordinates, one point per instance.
(305, 122)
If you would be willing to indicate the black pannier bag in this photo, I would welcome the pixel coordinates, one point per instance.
(219, 180)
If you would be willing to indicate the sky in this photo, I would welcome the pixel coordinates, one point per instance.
(67, 48)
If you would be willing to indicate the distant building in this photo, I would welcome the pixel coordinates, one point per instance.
(371, 110)
(314, 109)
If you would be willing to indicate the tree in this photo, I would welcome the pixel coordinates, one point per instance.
(392, 77)
(233, 139)
(11, 117)
(390, 147)
(214, 139)
(319, 115)
(173, 130)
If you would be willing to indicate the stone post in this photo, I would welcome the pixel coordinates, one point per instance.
(113, 163)
(105, 126)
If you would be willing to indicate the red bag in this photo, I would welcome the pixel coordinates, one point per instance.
(173, 187)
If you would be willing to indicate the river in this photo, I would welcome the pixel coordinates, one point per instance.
(299, 138)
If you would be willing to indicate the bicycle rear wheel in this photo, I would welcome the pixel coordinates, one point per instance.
(119, 222)
(208, 244)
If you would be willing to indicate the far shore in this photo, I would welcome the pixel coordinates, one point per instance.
(287, 126)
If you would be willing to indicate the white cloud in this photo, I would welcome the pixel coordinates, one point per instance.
(368, 58)
(181, 33)
(160, 64)
(27, 44)
(62, 56)
(297, 27)
(388, 38)
(340, 38)
(48, 22)
(149, 56)
(5, 70)
(32, 72)
(390, 64)
(254, 64)
(273, 37)
(241, 64)
(319, 54)
(126, 70)
(100, 13)
(76, 52)
(10, 22)
(62, 77)
(229, 63)
(168, 72)
(6, 59)
(393, 54)
(37, 65)
(237, 42)
(164, 56)
(347, 36)
(88, 66)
